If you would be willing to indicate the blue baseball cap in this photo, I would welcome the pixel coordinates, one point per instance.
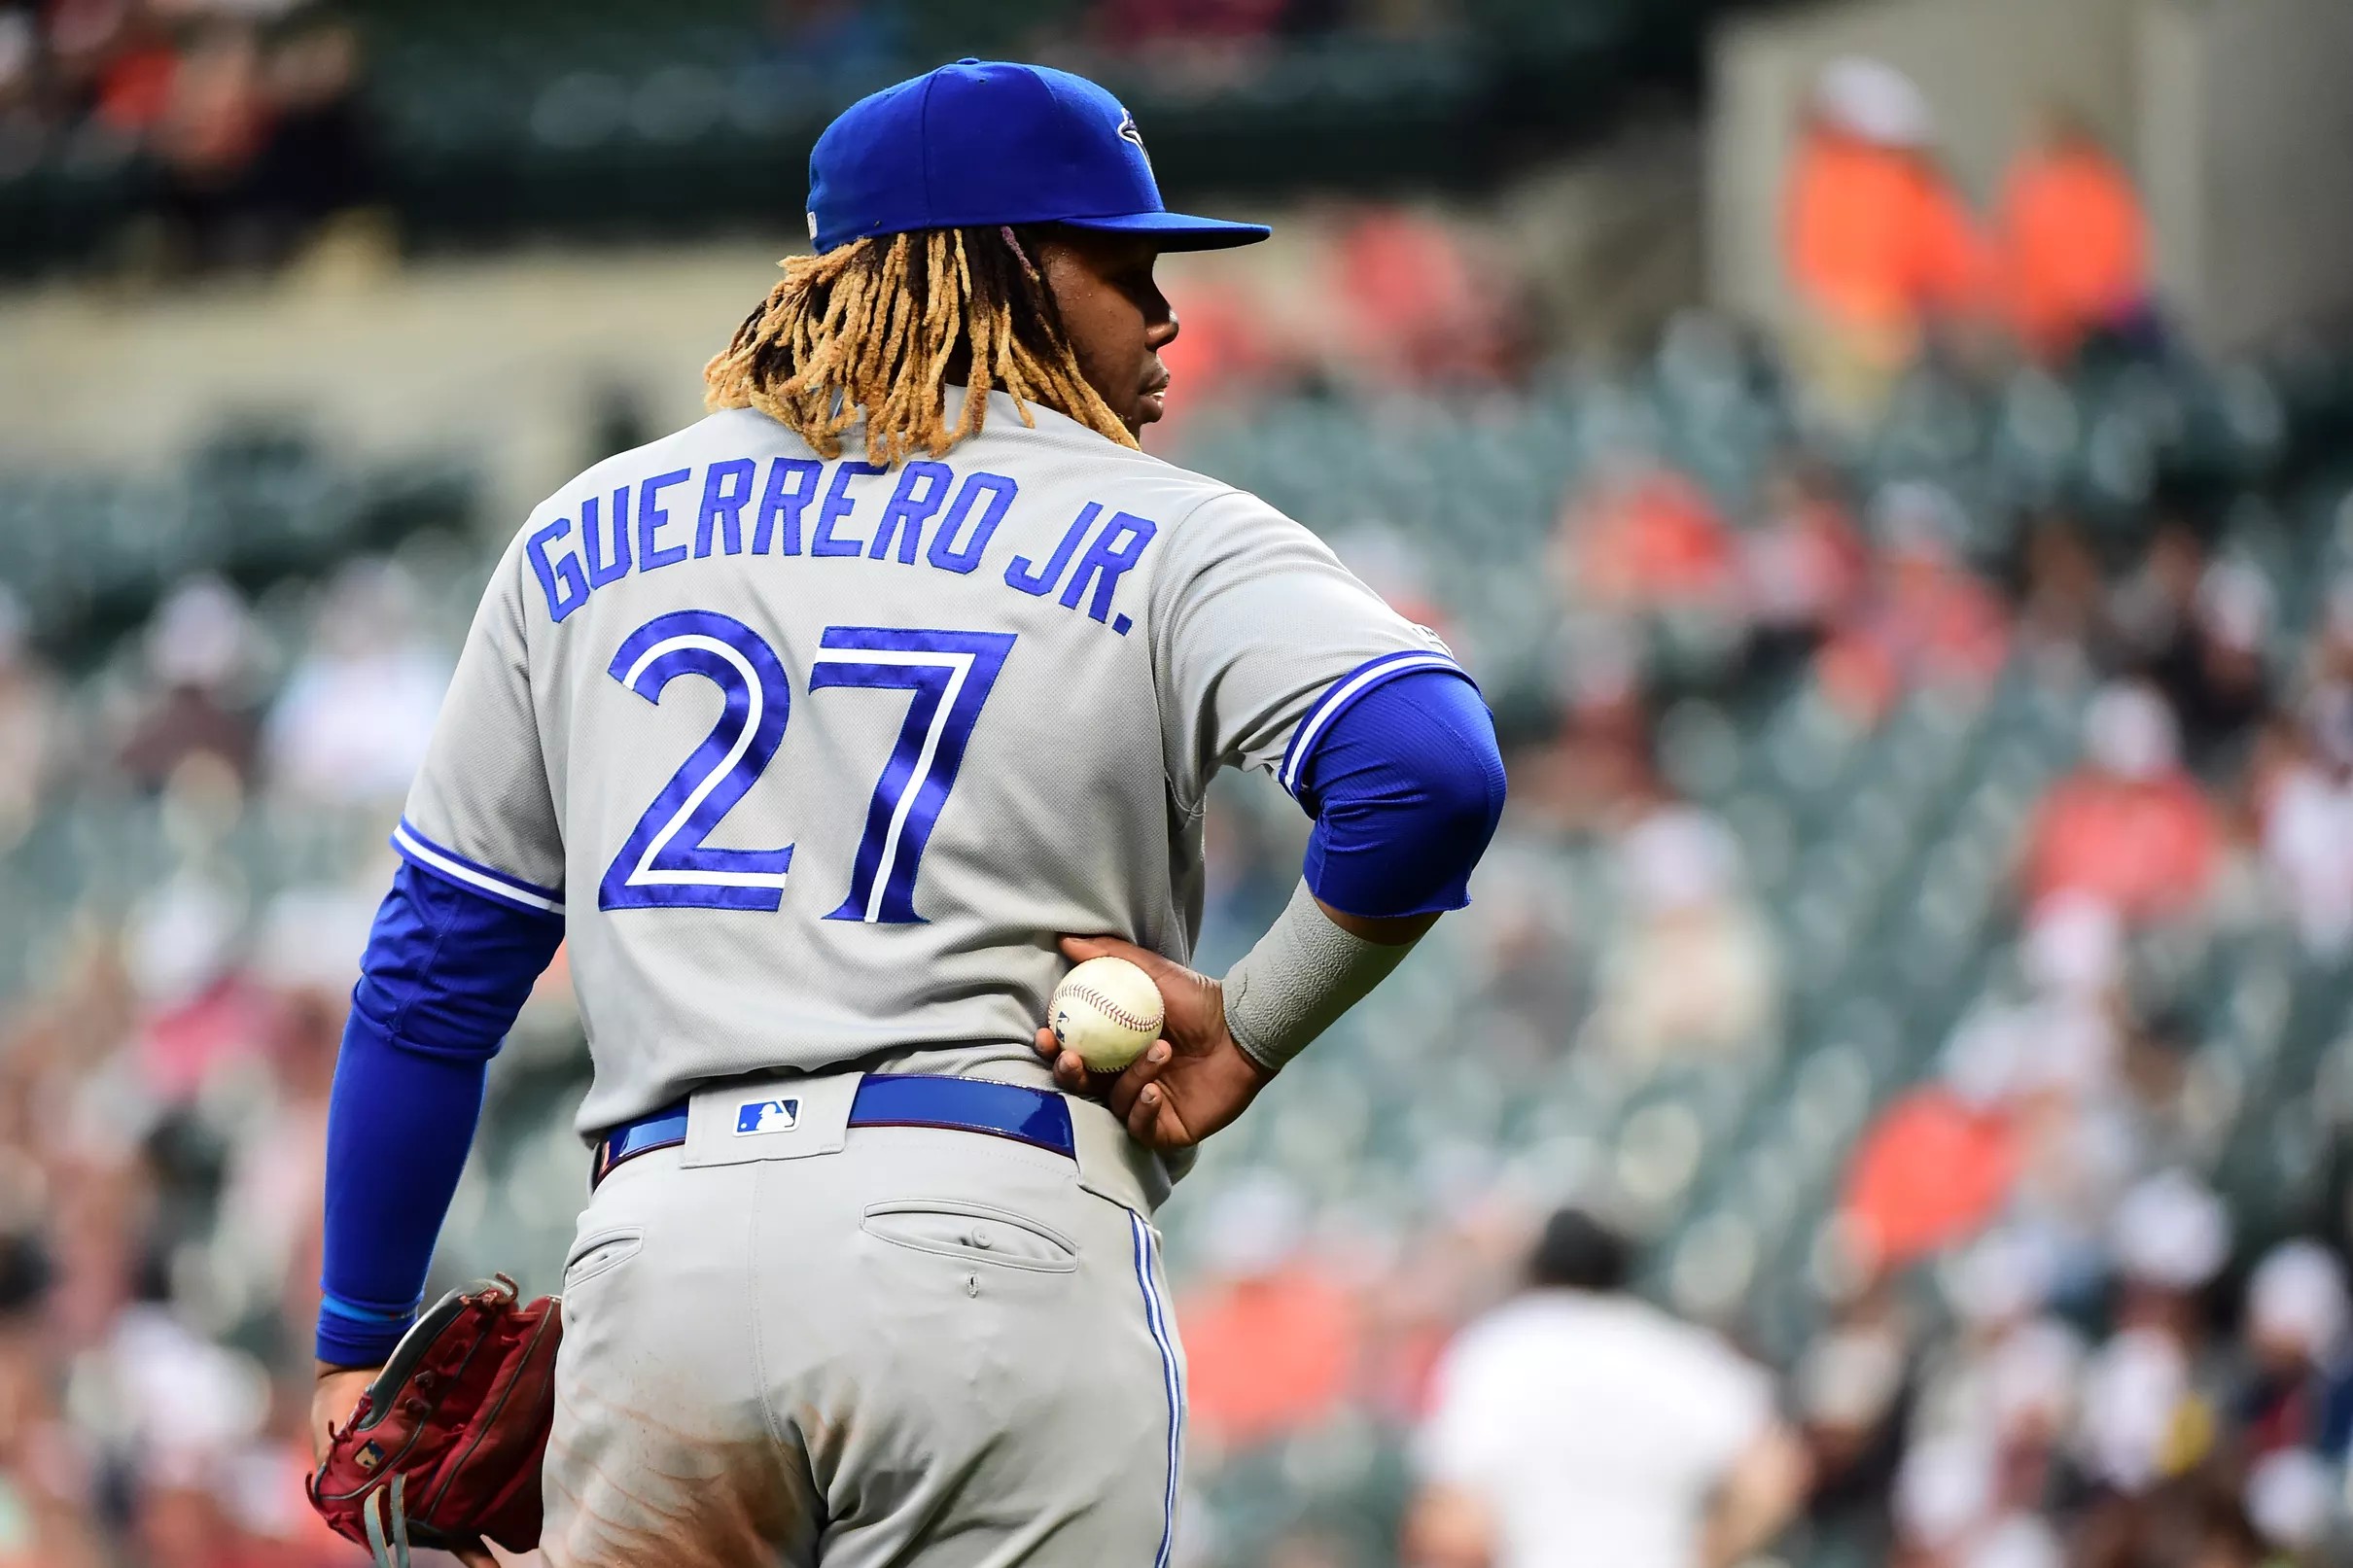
(984, 143)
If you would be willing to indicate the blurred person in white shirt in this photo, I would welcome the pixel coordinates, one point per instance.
(2293, 1500)
(1579, 1425)
(2010, 1367)
(2303, 786)
(351, 725)
(2143, 1417)
(191, 708)
(2308, 849)
(1690, 964)
(1952, 1513)
(1998, 1399)
(1852, 1392)
(2295, 1388)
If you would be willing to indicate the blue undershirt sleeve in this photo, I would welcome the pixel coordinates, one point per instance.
(1406, 786)
(445, 973)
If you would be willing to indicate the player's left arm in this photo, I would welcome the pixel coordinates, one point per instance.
(446, 970)
(1406, 786)
(474, 914)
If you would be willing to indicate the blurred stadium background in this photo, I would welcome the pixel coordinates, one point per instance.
(1889, 463)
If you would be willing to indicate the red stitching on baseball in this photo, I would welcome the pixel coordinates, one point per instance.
(1112, 1009)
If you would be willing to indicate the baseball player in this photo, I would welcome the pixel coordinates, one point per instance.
(813, 729)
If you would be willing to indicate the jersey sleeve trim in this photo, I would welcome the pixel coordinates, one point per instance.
(1343, 693)
(426, 855)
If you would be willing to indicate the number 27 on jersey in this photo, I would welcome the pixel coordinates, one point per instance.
(667, 861)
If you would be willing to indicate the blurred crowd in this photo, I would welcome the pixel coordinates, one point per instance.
(2043, 1344)
(1382, 296)
(2119, 1381)
(1885, 254)
(244, 116)
(2098, 1364)
(163, 1086)
(1187, 37)
(228, 132)
(2041, 1339)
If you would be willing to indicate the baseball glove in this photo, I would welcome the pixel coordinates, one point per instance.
(444, 1447)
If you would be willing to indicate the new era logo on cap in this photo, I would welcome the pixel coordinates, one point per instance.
(766, 1116)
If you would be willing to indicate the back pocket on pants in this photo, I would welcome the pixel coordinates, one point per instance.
(972, 1233)
(598, 1254)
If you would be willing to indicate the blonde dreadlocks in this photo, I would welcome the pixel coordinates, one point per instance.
(875, 328)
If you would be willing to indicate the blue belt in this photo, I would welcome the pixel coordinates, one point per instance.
(1037, 1117)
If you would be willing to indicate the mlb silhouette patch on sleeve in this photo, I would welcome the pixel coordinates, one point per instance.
(766, 1116)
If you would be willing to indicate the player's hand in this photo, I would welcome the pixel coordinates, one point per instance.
(1191, 1081)
(332, 1400)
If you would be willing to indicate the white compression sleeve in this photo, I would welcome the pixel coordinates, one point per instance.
(1303, 974)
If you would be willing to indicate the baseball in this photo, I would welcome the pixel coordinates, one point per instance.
(1108, 1010)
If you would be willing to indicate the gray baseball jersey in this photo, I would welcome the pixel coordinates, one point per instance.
(817, 758)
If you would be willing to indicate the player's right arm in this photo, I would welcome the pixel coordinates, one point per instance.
(1268, 653)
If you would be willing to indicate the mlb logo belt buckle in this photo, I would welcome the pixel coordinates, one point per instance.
(757, 1116)
(1037, 1117)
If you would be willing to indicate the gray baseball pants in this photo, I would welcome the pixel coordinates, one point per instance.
(881, 1348)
